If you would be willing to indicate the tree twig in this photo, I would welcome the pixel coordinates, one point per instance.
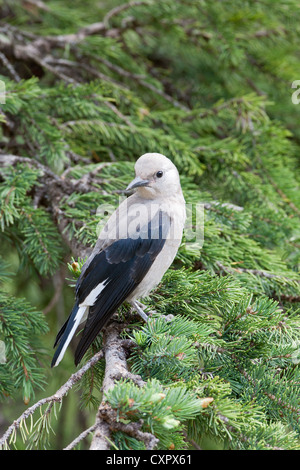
(9, 67)
(81, 436)
(120, 8)
(58, 187)
(56, 397)
(256, 272)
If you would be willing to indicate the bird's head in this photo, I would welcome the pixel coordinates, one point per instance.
(156, 176)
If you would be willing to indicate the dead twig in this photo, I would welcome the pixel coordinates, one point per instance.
(57, 397)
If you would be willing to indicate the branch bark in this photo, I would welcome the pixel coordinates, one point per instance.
(25, 46)
(57, 188)
(115, 369)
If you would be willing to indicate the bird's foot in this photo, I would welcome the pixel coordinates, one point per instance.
(138, 307)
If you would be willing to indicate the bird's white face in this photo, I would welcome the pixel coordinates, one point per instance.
(156, 176)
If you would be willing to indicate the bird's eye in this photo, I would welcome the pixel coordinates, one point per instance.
(159, 174)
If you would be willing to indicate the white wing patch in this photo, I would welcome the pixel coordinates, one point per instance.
(93, 295)
(81, 316)
(77, 320)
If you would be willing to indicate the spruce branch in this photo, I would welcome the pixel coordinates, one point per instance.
(55, 398)
(284, 405)
(255, 272)
(116, 368)
(58, 187)
(131, 429)
(40, 50)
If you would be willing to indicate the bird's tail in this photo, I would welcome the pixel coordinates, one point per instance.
(67, 332)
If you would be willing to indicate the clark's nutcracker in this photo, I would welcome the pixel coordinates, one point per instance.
(135, 248)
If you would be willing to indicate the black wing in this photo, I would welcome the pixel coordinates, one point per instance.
(123, 265)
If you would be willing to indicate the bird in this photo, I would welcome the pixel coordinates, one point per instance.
(134, 250)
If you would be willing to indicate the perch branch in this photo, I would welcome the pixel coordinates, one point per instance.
(116, 368)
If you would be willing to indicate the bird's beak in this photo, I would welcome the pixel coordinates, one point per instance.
(137, 182)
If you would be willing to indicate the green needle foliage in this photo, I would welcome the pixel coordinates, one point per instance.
(89, 88)
(21, 328)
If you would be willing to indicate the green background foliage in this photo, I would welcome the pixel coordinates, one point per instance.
(208, 84)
